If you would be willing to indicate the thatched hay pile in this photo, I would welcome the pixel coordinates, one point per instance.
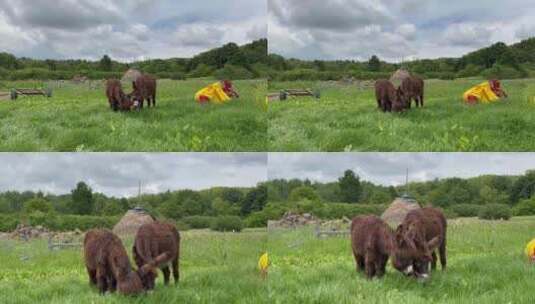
(397, 211)
(131, 75)
(131, 221)
(399, 75)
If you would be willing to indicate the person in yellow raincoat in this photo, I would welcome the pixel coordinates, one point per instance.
(219, 93)
(487, 92)
(530, 251)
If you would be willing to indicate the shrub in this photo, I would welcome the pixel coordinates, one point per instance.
(8, 223)
(466, 210)
(525, 207)
(503, 72)
(303, 192)
(450, 214)
(233, 72)
(198, 221)
(181, 226)
(495, 212)
(227, 223)
(37, 204)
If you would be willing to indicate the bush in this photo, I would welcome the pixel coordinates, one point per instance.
(227, 223)
(233, 72)
(181, 226)
(466, 210)
(8, 223)
(272, 211)
(499, 71)
(525, 207)
(303, 192)
(37, 204)
(198, 221)
(495, 212)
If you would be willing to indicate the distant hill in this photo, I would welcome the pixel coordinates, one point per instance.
(496, 61)
(228, 61)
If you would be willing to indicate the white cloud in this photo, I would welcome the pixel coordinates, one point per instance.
(390, 168)
(394, 29)
(118, 173)
(125, 29)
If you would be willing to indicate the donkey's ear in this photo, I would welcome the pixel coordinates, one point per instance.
(433, 243)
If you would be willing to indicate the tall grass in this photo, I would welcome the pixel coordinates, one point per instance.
(485, 265)
(346, 118)
(214, 268)
(78, 118)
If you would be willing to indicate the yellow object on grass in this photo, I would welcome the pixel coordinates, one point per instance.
(482, 92)
(214, 93)
(530, 250)
(263, 262)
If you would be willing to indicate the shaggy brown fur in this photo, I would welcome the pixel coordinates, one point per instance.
(412, 88)
(108, 265)
(387, 96)
(372, 241)
(144, 89)
(116, 97)
(152, 240)
(417, 237)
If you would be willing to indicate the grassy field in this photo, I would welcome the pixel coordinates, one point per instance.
(346, 118)
(214, 268)
(78, 118)
(485, 265)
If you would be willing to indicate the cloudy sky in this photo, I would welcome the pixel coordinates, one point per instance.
(118, 174)
(394, 30)
(127, 29)
(390, 168)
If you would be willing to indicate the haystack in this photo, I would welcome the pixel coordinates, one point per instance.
(399, 208)
(131, 221)
(399, 75)
(131, 75)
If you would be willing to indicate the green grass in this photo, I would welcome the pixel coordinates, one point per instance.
(214, 268)
(78, 118)
(485, 265)
(347, 119)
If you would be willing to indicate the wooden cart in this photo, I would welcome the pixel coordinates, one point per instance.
(284, 94)
(15, 93)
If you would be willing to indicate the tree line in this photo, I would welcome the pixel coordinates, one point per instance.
(457, 196)
(190, 208)
(496, 61)
(229, 61)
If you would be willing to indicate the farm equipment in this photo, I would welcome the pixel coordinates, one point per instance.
(15, 93)
(284, 94)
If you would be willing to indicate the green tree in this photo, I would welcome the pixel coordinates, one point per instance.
(37, 204)
(221, 207)
(350, 188)
(232, 195)
(374, 64)
(105, 63)
(303, 192)
(82, 199)
(255, 200)
(112, 207)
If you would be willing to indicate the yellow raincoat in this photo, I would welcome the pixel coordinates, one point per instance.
(482, 92)
(263, 263)
(214, 93)
(530, 250)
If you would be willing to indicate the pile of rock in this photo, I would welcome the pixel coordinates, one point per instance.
(336, 225)
(293, 220)
(25, 232)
